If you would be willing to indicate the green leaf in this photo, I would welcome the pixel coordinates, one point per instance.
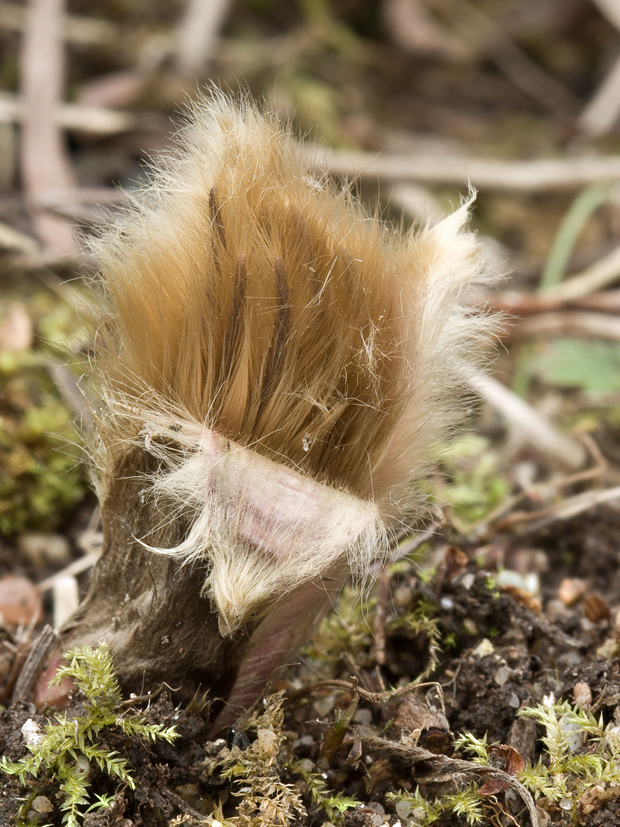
(592, 366)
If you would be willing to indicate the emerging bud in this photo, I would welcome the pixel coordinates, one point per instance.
(272, 365)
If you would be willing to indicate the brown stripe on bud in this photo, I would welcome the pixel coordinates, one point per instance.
(281, 329)
(234, 329)
(216, 217)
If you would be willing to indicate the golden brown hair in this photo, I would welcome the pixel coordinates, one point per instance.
(246, 304)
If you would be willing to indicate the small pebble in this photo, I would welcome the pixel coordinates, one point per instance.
(325, 705)
(484, 648)
(556, 610)
(66, 599)
(467, 581)
(403, 597)
(470, 628)
(608, 650)
(503, 675)
(582, 695)
(526, 582)
(363, 716)
(514, 701)
(31, 732)
(20, 601)
(42, 804)
(571, 591)
(44, 549)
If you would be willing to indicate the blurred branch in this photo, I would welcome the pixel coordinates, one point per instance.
(533, 425)
(412, 27)
(517, 66)
(14, 241)
(572, 506)
(91, 119)
(83, 31)
(44, 159)
(599, 275)
(603, 111)
(198, 33)
(570, 323)
(541, 175)
(416, 202)
(610, 9)
(528, 304)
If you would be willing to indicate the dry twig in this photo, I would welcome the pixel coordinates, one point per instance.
(77, 567)
(565, 510)
(442, 764)
(82, 31)
(413, 28)
(531, 304)
(571, 323)
(532, 424)
(542, 175)
(33, 664)
(599, 275)
(198, 32)
(44, 159)
(510, 59)
(602, 112)
(93, 120)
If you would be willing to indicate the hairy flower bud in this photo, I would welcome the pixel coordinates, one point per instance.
(273, 365)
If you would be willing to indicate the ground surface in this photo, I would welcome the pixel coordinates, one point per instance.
(513, 601)
(496, 651)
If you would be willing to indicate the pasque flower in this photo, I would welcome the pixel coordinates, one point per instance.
(272, 367)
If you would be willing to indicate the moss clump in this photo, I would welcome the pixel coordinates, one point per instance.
(40, 475)
(257, 774)
(476, 485)
(64, 753)
(576, 774)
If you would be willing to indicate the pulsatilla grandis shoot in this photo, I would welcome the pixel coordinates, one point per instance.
(272, 367)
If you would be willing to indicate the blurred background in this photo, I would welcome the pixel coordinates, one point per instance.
(414, 100)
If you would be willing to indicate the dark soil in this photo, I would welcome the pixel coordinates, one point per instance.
(502, 655)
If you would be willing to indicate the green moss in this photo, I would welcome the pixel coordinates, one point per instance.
(63, 754)
(476, 484)
(580, 764)
(40, 473)
(258, 772)
(348, 629)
